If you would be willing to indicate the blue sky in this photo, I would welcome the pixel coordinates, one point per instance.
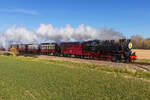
(126, 16)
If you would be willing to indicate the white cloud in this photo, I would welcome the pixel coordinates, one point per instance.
(46, 32)
(82, 32)
(17, 34)
(24, 11)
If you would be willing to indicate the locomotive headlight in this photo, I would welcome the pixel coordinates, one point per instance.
(130, 45)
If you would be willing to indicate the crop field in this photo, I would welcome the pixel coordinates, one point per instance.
(33, 79)
(142, 54)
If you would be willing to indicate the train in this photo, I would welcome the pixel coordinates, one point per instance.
(114, 50)
(2, 49)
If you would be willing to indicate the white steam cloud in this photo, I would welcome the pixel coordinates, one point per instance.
(46, 32)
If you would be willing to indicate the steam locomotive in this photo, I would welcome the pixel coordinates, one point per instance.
(114, 50)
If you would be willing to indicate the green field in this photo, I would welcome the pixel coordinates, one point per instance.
(32, 79)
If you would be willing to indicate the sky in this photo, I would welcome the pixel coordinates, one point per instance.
(126, 16)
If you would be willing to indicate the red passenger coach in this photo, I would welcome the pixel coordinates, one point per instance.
(22, 48)
(71, 48)
(32, 48)
(2, 49)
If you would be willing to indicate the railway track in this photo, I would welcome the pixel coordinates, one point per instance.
(142, 65)
(134, 65)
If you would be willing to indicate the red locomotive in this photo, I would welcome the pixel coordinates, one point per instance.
(117, 51)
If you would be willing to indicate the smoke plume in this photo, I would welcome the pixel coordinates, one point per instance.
(48, 33)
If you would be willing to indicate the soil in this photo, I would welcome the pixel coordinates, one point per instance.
(142, 54)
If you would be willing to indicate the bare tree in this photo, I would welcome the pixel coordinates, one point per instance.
(138, 41)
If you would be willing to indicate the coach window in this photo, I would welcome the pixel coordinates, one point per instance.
(70, 47)
(45, 46)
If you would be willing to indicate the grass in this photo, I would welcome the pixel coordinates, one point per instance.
(143, 60)
(31, 79)
(121, 71)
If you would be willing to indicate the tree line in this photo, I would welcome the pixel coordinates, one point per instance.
(139, 42)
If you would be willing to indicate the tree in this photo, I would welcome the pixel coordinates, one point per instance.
(146, 44)
(137, 41)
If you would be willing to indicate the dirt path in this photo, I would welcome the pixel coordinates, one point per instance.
(97, 62)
